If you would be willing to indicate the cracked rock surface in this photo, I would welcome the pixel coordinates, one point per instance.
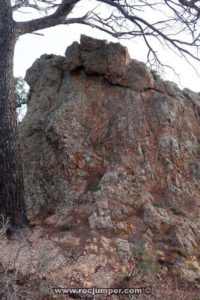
(105, 137)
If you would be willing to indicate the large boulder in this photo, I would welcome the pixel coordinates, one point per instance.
(100, 128)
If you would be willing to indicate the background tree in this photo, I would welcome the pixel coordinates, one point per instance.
(175, 26)
(21, 95)
(20, 91)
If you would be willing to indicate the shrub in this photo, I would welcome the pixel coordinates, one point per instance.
(145, 261)
(155, 74)
(95, 187)
(44, 288)
(66, 227)
(174, 210)
(198, 148)
(158, 205)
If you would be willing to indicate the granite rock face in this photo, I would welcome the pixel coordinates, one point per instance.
(100, 128)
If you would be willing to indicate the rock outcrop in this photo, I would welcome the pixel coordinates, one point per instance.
(107, 139)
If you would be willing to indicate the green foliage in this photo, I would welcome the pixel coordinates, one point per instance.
(155, 74)
(95, 187)
(194, 148)
(20, 91)
(138, 252)
(197, 297)
(44, 288)
(158, 205)
(66, 227)
(174, 210)
(198, 148)
(145, 261)
(43, 259)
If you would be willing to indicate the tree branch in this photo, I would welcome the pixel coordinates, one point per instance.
(124, 19)
(138, 21)
(26, 3)
(57, 18)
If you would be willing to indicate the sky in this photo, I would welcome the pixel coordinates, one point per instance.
(56, 39)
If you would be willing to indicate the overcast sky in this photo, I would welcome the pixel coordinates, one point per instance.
(55, 40)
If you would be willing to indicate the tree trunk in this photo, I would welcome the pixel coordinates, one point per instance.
(11, 175)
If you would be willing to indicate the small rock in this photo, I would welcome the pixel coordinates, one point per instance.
(157, 219)
(100, 222)
(123, 245)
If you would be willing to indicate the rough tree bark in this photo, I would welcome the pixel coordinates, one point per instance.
(11, 177)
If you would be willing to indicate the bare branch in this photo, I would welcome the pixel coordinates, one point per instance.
(57, 18)
(176, 25)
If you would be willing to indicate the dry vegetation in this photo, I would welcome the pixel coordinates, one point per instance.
(26, 276)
